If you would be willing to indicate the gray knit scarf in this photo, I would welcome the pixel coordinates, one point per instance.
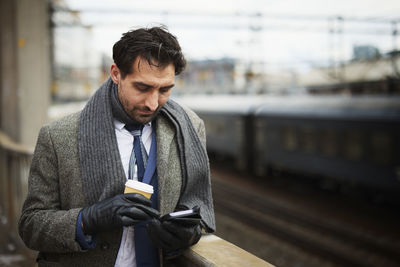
(102, 170)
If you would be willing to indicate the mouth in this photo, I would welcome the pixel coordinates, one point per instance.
(145, 113)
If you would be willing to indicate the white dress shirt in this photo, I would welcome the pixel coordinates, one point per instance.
(126, 253)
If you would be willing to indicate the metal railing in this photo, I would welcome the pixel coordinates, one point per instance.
(15, 160)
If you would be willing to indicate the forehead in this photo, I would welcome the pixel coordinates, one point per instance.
(142, 69)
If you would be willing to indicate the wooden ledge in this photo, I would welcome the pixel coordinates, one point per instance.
(214, 251)
(8, 144)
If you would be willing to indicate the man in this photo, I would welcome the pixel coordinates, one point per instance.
(76, 213)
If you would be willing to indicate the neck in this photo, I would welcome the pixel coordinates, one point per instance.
(118, 111)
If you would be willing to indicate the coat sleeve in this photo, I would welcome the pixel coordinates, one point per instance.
(201, 131)
(43, 226)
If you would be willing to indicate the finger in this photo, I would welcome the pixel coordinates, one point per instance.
(195, 238)
(127, 221)
(137, 198)
(155, 226)
(187, 235)
(135, 213)
(179, 231)
(173, 227)
(159, 236)
(189, 222)
(149, 210)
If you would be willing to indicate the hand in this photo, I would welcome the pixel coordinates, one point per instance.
(173, 235)
(115, 212)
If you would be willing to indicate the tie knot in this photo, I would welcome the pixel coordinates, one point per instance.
(134, 129)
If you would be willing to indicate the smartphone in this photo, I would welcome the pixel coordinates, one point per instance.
(185, 216)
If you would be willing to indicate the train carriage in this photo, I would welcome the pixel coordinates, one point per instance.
(350, 139)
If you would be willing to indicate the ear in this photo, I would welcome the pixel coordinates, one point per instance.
(115, 73)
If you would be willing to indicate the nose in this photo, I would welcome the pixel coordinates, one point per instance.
(152, 100)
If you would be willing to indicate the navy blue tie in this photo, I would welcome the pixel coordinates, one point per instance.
(146, 252)
(139, 155)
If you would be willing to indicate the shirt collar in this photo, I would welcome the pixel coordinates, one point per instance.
(120, 125)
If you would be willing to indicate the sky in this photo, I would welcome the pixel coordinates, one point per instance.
(285, 34)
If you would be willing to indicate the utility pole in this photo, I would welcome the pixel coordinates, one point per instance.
(394, 35)
(336, 44)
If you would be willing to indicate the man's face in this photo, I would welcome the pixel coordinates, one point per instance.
(143, 92)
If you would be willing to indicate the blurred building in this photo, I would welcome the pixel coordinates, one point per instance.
(230, 76)
(365, 52)
(368, 72)
(76, 66)
(207, 77)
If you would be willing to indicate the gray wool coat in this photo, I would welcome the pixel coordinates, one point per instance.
(55, 194)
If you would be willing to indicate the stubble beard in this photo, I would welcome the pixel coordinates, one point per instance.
(138, 118)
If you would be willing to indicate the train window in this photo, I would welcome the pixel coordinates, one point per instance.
(214, 126)
(353, 149)
(329, 145)
(381, 148)
(307, 139)
(290, 139)
(260, 134)
(239, 130)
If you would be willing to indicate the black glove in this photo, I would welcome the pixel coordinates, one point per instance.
(115, 212)
(173, 236)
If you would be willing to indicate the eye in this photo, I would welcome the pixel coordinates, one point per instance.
(142, 87)
(165, 90)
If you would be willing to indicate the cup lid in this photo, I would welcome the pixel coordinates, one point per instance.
(140, 186)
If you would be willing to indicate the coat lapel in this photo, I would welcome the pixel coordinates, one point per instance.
(168, 166)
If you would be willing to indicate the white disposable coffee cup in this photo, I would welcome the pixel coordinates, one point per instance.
(132, 186)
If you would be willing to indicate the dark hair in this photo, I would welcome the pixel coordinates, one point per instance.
(156, 44)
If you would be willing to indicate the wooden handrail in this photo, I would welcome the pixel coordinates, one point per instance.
(213, 251)
(8, 144)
